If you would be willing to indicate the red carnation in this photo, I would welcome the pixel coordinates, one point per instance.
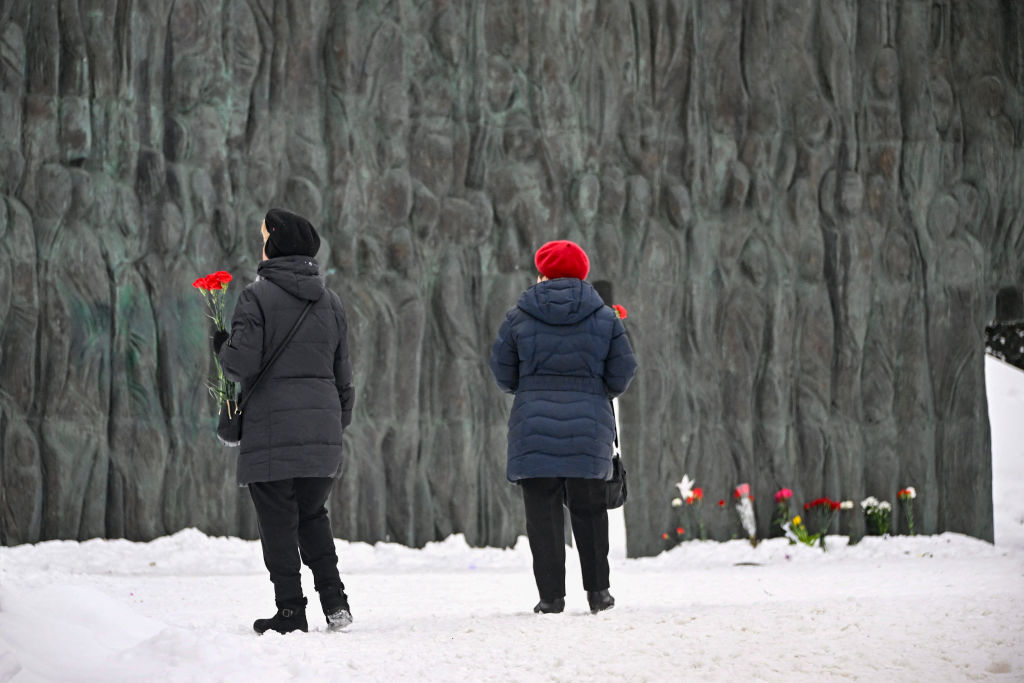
(680, 530)
(221, 276)
(213, 288)
(620, 311)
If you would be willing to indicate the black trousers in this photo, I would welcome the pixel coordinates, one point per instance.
(545, 529)
(294, 527)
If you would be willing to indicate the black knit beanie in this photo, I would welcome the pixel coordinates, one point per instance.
(290, 235)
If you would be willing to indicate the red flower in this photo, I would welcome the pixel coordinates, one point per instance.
(680, 531)
(620, 311)
(221, 276)
(213, 280)
(664, 537)
(783, 494)
(721, 503)
(698, 493)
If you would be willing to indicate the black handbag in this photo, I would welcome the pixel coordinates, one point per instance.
(615, 488)
(229, 422)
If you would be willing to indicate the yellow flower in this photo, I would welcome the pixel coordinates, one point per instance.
(797, 520)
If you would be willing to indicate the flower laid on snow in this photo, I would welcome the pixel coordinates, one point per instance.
(782, 497)
(745, 511)
(673, 539)
(824, 511)
(796, 532)
(692, 496)
(879, 515)
(213, 287)
(695, 503)
(906, 497)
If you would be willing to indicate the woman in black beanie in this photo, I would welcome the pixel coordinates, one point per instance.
(292, 425)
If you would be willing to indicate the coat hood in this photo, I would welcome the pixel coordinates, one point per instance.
(297, 275)
(563, 301)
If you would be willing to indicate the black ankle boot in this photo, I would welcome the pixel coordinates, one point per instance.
(336, 609)
(600, 601)
(289, 618)
(550, 606)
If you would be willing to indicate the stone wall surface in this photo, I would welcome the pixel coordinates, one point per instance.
(806, 207)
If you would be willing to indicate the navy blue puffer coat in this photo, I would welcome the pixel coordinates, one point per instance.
(564, 355)
(292, 425)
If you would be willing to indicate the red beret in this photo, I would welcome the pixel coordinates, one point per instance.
(562, 258)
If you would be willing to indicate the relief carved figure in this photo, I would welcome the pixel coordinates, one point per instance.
(806, 208)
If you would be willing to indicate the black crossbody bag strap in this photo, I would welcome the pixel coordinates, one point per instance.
(277, 352)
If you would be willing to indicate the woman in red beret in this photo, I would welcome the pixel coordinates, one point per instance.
(565, 356)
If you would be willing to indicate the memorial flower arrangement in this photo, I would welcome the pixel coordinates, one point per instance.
(811, 528)
(906, 497)
(796, 531)
(213, 288)
(682, 506)
(782, 497)
(745, 511)
(823, 510)
(879, 515)
(620, 311)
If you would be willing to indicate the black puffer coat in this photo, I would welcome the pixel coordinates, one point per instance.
(293, 423)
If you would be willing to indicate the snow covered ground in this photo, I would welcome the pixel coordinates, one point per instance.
(944, 607)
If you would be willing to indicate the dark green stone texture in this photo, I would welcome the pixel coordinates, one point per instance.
(807, 208)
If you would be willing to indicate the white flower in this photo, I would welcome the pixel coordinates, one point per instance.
(884, 505)
(685, 487)
(677, 502)
(911, 492)
(869, 502)
(846, 505)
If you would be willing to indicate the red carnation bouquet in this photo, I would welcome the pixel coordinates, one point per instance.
(213, 287)
(824, 509)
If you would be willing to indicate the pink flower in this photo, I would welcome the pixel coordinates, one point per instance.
(742, 490)
(783, 494)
